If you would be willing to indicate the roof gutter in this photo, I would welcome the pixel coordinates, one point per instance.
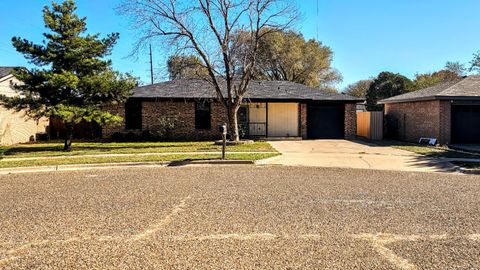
(9, 76)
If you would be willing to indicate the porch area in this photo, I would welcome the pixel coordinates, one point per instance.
(272, 120)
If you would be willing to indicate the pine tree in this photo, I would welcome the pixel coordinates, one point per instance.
(72, 80)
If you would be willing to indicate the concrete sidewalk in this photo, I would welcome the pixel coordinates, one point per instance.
(120, 165)
(131, 155)
(354, 154)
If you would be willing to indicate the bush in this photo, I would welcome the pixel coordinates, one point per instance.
(124, 137)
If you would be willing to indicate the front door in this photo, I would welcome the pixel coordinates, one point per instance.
(257, 119)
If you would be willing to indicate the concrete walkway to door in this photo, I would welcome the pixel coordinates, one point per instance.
(353, 154)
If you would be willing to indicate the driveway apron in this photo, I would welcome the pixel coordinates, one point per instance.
(353, 154)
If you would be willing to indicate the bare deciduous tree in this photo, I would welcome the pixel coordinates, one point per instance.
(224, 34)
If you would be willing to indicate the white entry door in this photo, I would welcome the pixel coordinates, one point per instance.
(283, 119)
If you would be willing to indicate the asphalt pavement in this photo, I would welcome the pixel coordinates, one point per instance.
(239, 217)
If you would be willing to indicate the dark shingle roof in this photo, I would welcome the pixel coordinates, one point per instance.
(466, 88)
(5, 71)
(272, 90)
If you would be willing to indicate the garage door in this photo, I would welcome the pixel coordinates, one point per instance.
(282, 119)
(325, 121)
(466, 123)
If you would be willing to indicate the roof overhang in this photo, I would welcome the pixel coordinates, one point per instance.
(248, 99)
(9, 76)
(429, 99)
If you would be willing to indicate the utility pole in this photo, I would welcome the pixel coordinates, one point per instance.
(151, 64)
(316, 23)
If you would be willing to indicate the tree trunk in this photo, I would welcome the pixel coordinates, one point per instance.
(233, 122)
(68, 136)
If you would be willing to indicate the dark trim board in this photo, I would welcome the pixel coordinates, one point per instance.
(466, 102)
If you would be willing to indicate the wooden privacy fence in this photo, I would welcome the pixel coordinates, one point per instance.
(370, 125)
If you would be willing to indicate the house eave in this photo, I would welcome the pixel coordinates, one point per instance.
(9, 76)
(430, 99)
(249, 99)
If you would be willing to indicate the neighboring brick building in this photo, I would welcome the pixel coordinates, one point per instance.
(449, 112)
(272, 109)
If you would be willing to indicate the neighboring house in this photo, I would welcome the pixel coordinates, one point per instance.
(271, 109)
(449, 112)
(16, 127)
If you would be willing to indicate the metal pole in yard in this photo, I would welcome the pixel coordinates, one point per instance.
(224, 144)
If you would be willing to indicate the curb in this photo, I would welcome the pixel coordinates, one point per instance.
(210, 162)
(267, 161)
(462, 149)
(468, 171)
(121, 165)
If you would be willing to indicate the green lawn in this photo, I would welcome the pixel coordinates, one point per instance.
(157, 158)
(49, 154)
(429, 151)
(92, 148)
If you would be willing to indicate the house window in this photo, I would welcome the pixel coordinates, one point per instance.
(133, 114)
(203, 116)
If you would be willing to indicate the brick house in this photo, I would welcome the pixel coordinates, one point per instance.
(271, 109)
(449, 112)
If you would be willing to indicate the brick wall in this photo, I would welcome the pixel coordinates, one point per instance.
(420, 119)
(445, 121)
(350, 120)
(184, 113)
(108, 130)
(303, 121)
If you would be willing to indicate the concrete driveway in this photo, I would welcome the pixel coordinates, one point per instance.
(353, 154)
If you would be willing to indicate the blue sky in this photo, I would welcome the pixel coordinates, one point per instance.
(367, 36)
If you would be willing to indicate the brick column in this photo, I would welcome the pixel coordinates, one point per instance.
(350, 121)
(303, 120)
(445, 122)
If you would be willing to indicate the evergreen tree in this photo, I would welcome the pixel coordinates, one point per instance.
(72, 80)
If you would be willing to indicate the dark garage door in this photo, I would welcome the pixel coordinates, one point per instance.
(325, 121)
(466, 123)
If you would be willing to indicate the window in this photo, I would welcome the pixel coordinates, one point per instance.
(133, 114)
(203, 115)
